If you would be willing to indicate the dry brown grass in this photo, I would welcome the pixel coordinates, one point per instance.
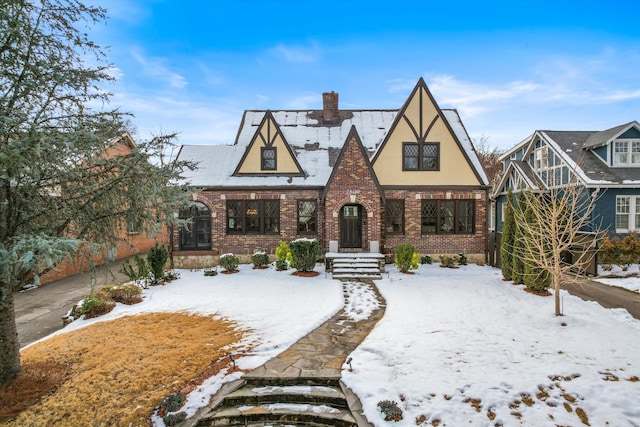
(114, 373)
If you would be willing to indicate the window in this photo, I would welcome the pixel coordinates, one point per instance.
(134, 224)
(421, 156)
(448, 216)
(307, 217)
(196, 233)
(394, 216)
(627, 214)
(268, 158)
(253, 216)
(626, 153)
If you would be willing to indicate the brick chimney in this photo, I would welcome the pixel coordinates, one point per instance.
(330, 107)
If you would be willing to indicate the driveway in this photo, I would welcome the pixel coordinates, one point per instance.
(39, 311)
(606, 296)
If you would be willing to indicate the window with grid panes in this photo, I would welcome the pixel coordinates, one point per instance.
(421, 156)
(394, 216)
(307, 217)
(268, 158)
(196, 234)
(448, 216)
(253, 216)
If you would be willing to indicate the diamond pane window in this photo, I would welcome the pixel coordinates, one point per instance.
(394, 216)
(429, 219)
(307, 217)
(268, 158)
(410, 157)
(430, 157)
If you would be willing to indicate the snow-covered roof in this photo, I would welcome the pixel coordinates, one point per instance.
(458, 128)
(315, 145)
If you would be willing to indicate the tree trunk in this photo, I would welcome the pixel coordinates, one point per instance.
(9, 344)
(556, 294)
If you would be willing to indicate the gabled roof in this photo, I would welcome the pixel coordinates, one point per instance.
(525, 172)
(313, 142)
(268, 134)
(587, 164)
(598, 139)
(353, 138)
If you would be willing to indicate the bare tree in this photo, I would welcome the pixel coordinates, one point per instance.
(559, 221)
(489, 158)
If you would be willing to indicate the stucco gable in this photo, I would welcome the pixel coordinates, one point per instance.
(268, 136)
(421, 121)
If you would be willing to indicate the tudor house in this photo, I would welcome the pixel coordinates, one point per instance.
(606, 163)
(356, 180)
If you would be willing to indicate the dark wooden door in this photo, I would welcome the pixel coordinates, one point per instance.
(351, 226)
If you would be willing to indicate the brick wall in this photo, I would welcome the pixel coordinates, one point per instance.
(353, 183)
(221, 242)
(439, 243)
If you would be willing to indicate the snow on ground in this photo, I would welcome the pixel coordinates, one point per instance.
(456, 345)
(617, 277)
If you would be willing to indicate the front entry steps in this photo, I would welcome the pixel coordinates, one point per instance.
(361, 266)
(283, 402)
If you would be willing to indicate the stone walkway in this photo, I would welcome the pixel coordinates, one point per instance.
(321, 355)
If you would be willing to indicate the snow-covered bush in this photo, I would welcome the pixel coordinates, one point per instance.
(94, 306)
(229, 262)
(304, 253)
(260, 259)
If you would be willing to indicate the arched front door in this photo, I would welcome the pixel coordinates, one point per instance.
(351, 226)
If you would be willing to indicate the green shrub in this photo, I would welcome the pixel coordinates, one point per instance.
(282, 264)
(93, 306)
(210, 272)
(229, 262)
(404, 257)
(462, 259)
(304, 253)
(283, 252)
(508, 238)
(174, 419)
(260, 260)
(390, 410)
(415, 261)
(157, 259)
(137, 272)
(448, 261)
(426, 259)
(172, 402)
(125, 294)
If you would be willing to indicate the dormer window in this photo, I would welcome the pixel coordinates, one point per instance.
(268, 159)
(626, 153)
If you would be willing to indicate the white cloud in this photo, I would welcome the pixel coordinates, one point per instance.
(297, 54)
(156, 68)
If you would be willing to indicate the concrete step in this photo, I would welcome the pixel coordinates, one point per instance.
(282, 401)
(301, 414)
(309, 395)
(347, 276)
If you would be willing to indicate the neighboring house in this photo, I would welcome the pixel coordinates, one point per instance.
(133, 240)
(606, 163)
(356, 180)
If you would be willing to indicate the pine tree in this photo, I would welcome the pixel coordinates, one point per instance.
(65, 185)
(535, 278)
(517, 273)
(508, 237)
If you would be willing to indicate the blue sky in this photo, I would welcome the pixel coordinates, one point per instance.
(509, 67)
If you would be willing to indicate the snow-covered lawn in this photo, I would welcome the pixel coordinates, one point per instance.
(455, 345)
(629, 279)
